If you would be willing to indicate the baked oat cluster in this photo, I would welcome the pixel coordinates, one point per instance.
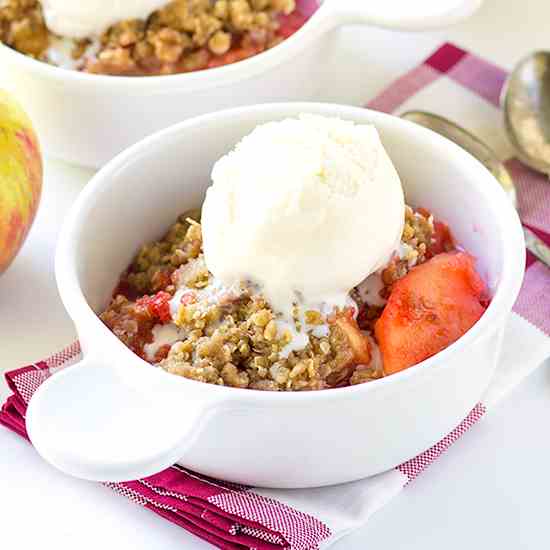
(231, 336)
(417, 237)
(23, 28)
(186, 35)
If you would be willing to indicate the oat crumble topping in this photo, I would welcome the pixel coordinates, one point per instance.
(231, 336)
(183, 36)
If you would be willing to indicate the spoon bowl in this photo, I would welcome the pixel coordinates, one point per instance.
(525, 102)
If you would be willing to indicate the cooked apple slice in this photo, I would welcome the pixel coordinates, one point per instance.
(358, 342)
(429, 309)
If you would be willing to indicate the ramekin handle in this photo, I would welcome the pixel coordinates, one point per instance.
(404, 15)
(88, 423)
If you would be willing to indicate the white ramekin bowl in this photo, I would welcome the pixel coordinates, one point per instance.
(87, 119)
(116, 417)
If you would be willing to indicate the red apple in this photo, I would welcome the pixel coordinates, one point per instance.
(20, 178)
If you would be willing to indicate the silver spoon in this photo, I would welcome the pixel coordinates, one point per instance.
(525, 101)
(488, 158)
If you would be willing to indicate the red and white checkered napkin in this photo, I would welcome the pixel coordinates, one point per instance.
(460, 86)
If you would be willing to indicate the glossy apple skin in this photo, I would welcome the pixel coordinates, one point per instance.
(20, 178)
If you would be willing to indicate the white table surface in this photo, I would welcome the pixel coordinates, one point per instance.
(490, 491)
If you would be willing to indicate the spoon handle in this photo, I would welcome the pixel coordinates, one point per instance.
(537, 247)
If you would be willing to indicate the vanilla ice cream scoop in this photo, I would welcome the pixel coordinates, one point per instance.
(89, 18)
(306, 208)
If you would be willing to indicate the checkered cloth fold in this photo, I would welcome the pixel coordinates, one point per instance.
(460, 86)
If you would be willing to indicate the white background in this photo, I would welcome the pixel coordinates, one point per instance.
(490, 491)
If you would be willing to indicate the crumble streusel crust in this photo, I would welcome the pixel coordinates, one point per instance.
(186, 35)
(234, 340)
